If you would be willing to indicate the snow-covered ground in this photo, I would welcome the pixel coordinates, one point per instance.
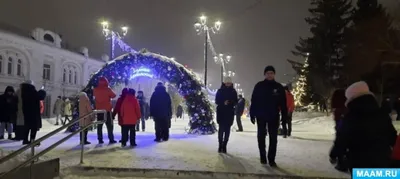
(192, 152)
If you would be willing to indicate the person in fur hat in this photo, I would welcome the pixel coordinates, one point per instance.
(366, 134)
(28, 114)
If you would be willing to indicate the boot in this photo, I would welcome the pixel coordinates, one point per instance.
(10, 137)
(1, 137)
(220, 148)
(224, 147)
(263, 158)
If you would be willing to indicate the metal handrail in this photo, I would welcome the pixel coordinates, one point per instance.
(48, 149)
(36, 142)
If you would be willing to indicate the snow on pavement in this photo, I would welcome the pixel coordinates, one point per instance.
(192, 152)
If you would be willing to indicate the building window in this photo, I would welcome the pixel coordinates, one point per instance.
(70, 76)
(1, 63)
(9, 66)
(75, 77)
(19, 67)
(46, 71)
(65, 75)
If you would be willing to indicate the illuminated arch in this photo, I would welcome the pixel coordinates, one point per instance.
(130, 65)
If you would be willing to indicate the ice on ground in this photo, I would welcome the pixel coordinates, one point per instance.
(193, 152)
(12, 162)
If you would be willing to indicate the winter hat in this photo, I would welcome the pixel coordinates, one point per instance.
(29, 82)
(355, 90)
(269, 68)
(228, 80)
(81, 94)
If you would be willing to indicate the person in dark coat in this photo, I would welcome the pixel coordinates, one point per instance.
(8, 111)
(142, 104)
(239, 109)
(30, 102)
(226, 100)
(267, 100)
(387, 105)
(366, 135)
(161, 111)
(396, 107)
(179, 111)
(337, 106)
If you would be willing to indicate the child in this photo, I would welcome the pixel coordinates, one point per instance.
(130, 115)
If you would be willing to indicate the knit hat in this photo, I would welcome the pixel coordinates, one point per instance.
(28, 82)
(355, 90)
(269, 68)
(227, 80)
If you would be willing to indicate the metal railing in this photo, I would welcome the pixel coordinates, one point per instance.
(36, 142)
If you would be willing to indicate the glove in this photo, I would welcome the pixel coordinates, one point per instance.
(253, 120)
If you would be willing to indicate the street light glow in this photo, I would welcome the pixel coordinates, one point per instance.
(203, 19)
(124, 28)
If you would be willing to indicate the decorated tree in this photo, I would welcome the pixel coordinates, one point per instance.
(324, 49)
(301, 89)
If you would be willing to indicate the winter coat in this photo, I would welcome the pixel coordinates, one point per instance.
(67, 108)
(290, 101)
(160, 104)
(366, 134)
(8, 106)
(118, 104)
(338, 104)
(58, 105)
(142, 104)
(29, 109)
(386, 106)
(396, 105)
(239, 109)
(226, 113)
(179, 110)
(84, 109)
(103, 95)
(130, 110)
(267, 100)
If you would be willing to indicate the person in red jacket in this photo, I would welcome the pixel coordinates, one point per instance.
(130, 115)
(117, 107)
(41, 107)
(102, 96)
(290, 108)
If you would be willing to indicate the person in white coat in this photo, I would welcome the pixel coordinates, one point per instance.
(57, 109)
(67, 111)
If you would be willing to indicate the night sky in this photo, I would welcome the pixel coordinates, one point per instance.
(254, 34)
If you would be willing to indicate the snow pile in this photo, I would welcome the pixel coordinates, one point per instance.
(12, 162)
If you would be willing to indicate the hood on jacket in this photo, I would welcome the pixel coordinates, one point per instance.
(160, 89)
(103, 82)
(82, 94)
(124, 92)
(9, 89)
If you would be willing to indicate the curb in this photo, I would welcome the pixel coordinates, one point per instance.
(183, 174)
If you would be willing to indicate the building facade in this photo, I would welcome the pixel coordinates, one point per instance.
(42, 59)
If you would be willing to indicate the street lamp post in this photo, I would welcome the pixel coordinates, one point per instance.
(111, 35)
(222, 60)
(202, 27)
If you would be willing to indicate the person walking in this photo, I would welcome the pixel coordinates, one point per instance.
(226, 100)
(366, 135)
(338, 106)
(239, 109)
(179, 111)
(103, 95)
(290, 107)
(67, 111)
(130, 116)
(267, 100)
(142, 104)
(161, 111)
(84, 109)
(28, 114)
(57, 109)
(8, 111)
